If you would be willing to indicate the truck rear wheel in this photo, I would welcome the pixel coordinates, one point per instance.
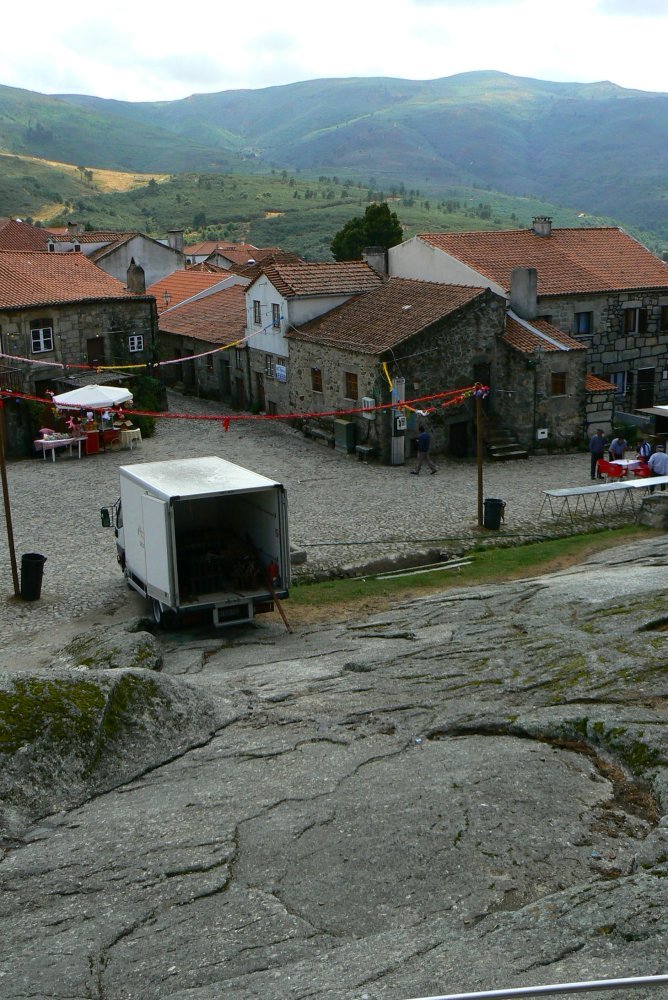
(163, 616)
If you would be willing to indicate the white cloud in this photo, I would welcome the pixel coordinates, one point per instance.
(150, 52)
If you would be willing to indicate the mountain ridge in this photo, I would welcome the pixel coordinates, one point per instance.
(597, 148)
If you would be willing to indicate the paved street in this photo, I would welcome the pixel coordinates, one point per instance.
(343, 512)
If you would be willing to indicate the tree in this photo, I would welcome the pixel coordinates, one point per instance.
(378, 227)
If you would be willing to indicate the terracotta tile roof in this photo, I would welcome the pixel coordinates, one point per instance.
(381, 318)
(243, 253)
(569, 261)
(207, 267)
(278, 257)
(181, 285)
(207, 247)
(31, 279)
(595, 384)
(17, 235)
(219, 318)
(527, 335)
(340, 278)
(64, 236)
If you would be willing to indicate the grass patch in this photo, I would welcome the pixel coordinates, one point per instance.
(489, 565)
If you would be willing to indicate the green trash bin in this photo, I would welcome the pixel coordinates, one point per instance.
(32, 571)
(493, 512)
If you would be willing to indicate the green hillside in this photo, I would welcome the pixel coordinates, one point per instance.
(280, 209)
(510, 145)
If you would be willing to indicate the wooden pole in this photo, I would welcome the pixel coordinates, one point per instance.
(5, 497)
(478, 419)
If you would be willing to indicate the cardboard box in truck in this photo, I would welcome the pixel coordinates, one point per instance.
(202, 535)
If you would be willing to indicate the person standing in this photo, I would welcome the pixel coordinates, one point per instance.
(658, 464)
(643, 449)
(423, 446)
(597, 445)
(618, 446)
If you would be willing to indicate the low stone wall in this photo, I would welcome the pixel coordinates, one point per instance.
(654, 511)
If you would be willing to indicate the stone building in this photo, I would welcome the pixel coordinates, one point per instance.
(198, 312)
(113, 251)
(598, 285)
(59, 314)
(200, 331)
(284, 296)
(426, 336)
(539, 392)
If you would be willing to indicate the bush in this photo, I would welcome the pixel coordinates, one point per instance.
(147, 394)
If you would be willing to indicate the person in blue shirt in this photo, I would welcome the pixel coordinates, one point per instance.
(423, 446)
(597, 446)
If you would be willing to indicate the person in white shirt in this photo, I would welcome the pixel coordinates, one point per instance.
(658, 463)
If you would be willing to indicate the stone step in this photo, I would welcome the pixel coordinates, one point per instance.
(506, 454)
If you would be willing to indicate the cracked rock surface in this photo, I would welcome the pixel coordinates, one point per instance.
(465, 792)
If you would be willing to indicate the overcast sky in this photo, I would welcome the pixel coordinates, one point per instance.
(147, 51)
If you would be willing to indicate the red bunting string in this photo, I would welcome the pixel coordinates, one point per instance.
(439, 400)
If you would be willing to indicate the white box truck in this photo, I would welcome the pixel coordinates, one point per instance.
(202, 534)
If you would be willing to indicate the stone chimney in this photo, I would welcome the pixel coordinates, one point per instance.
(136, 281)
(542, 225)
(376, 257)
(175, 239)
(523, 292)
(74, 228)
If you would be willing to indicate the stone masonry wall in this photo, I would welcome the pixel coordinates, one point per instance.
(452, 353)
(73, 325)
(609, 348)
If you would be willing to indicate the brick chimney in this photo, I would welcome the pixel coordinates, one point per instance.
(523, 292)
(542, 225)
(136, 281)
(175, 239)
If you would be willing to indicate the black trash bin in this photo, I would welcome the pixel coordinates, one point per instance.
(32, 570)
(493, 512)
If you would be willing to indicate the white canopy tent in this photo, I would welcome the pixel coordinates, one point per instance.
(92, 397)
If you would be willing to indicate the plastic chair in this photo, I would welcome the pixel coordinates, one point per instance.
(643, 471)
(610, 471)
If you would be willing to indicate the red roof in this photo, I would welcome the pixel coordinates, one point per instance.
(67, 236)
(17, 235)
(207, 247)
(568, 261)
(595, 384)
(219, 318)
(336, 278)
(31, 279)
(527, 335)
(387, 315)
(181, 285)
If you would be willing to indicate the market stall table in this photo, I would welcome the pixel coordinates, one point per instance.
(52, 444)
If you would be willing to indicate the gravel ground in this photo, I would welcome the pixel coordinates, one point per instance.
(343, 513)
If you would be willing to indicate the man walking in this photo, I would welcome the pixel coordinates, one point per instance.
(597, 450)
(423, 446)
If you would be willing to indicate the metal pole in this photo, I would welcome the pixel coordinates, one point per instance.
(5, 497)
(534, 991)
(478, 419)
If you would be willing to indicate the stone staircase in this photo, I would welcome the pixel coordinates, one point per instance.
(502, 446)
